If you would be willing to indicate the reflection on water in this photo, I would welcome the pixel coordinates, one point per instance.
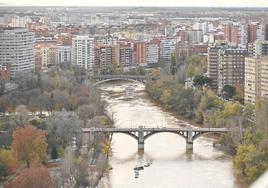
(172, 166)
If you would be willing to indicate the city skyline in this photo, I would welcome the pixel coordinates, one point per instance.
(147, 3)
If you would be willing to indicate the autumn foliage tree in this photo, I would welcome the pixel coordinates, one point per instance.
(32, 177)
(7, 163)
(29, 145)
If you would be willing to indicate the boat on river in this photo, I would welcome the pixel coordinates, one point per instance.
(148, 164)
(138, 168)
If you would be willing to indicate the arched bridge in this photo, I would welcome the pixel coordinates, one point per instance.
(142, 133)
(99, 79)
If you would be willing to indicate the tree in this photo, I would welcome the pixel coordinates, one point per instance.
(32, 177)
(174, 65)
(228, 91)
(62, 127)
(2, 87)
(85, 112)
(22, 114)
(29, 145)
(200, 81)
(7, 162)
(239, 94)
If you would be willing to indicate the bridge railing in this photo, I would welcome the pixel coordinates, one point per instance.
(163, 129)
(123, 76)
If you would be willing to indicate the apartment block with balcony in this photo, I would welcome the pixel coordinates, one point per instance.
(213, 62)
(256, 79)
(16, 50)
(231, 68)
(83, 51)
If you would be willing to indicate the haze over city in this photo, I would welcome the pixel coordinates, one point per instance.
(151, 3)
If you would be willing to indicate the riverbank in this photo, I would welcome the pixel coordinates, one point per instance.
(202, 105)
(217, 138)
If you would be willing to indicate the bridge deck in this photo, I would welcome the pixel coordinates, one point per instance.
(119, 76)
(163, 129)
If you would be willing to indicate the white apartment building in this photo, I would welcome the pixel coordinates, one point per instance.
(243, 35)
(18, 21)
(256, 79)
(195, 36)
(83, 52)
(64, 54)
(16, 49)
(251, 80)
(260, 31)
(167, 48)
(152, 53)
(260, 48)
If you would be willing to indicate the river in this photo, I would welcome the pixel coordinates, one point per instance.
(172, 166)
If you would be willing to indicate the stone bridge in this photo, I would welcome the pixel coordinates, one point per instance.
(141, 133)
(99, 79)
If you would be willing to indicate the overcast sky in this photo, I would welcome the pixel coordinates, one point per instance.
(206, 3)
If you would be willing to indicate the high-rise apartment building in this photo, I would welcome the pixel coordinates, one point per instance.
(213, 62)
(16, 50)
(152, 54)
(105, 40)
(167, 49)
(231, 67)
(255, 31)
(256, 79)
(140, 52)
(104, 56)
(260, 48)
(46, 54)
(195, 36)
(236, 34)
(126, 56)
(251, 86)
(83, 52)
(64, 54)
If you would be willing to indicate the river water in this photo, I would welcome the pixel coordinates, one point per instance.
(172, 166)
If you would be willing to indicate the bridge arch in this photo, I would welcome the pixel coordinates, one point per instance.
(180, 133)
(129, 134)
(117, 79)
(199, 134)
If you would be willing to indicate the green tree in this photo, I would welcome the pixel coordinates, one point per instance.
(200, 81)
(174, 65)
(228, 91)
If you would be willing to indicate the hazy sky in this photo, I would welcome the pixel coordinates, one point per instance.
(206, 3)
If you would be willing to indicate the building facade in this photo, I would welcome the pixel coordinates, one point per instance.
(126, 56)
(152, 54)
(256, 79)
(167, 49)
(231, 68)
(260, 48)
(64, 54)
(213, 62)
(16, 50)
(104, 56)
(236, 34)
(140, 52)
(83, 52)
(46, 54)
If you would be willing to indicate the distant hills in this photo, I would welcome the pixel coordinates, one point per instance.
(4, 4)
